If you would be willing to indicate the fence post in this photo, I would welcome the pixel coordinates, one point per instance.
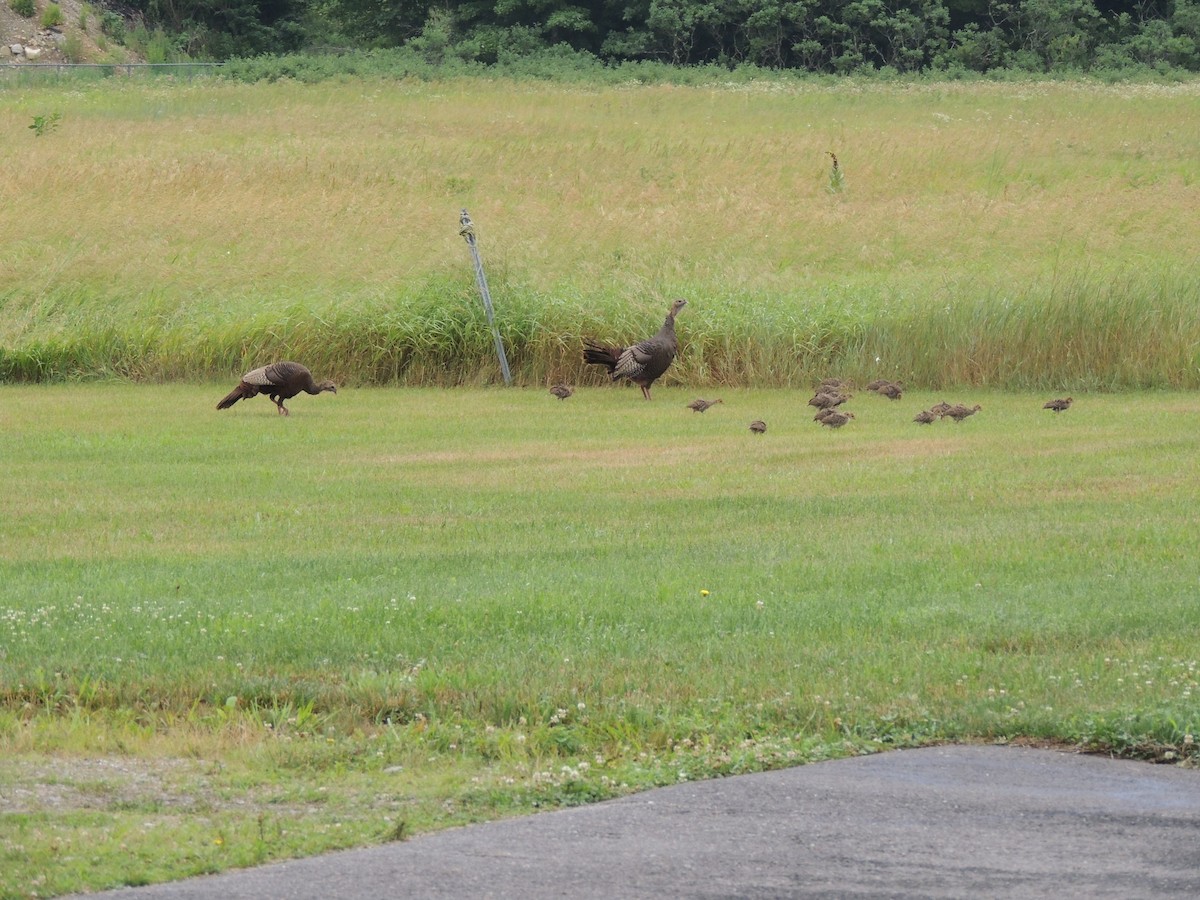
(467, 230)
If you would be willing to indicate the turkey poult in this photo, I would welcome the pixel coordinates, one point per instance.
(828, 399)
(891, 391)
(1059, 404)
(644, 362)
(940, 409)
(835, 419)
(702, 405)
(925, 417)
(562, 391)
(280, 381)
(758, 426)
(958, 412)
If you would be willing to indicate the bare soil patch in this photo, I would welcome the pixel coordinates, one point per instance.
(16, 29)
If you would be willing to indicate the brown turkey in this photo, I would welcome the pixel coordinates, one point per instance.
(280, 381)
(925, 417)
(644, 362)
(940, 409)
(958, 412)
(835, 419)
(1059, 404)
(828, 399)
(891, 391)
(826, 413)
(562, 391)
(702, 405)
(758, 426)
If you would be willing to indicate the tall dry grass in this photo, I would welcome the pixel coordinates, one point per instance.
(987, 233)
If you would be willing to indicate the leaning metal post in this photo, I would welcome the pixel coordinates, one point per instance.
(467, 230)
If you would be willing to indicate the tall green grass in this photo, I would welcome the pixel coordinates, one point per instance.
(989, 234)
(1087, 333)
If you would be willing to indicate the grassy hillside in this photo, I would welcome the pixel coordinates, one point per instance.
(988, 234)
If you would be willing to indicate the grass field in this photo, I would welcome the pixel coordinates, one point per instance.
(1016, 236)
(229, 637)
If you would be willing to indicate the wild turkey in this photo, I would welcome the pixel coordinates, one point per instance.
(562, 391)
(758, 426)
(645, 361)
(940, 409)
(877, 384)
(827, 399)
(826, 413)
(1059, 404)
(702, 405)
(831, 385)
(835, 419)
(958, 412)
(891, 390)
(925, 417)
(280, 381)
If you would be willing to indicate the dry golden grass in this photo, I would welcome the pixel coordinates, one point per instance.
(340, 190)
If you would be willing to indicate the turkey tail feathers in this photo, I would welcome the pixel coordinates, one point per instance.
(238, 393)
(599, 355)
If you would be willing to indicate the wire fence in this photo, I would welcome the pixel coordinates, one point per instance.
(23, 73)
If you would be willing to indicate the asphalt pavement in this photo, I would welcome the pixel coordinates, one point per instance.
(954, 821)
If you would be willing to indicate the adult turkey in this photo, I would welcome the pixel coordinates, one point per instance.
(280, 381)
(1059, 404)
(702, 405)
(644, 362)
(958, 412)
(562, 391)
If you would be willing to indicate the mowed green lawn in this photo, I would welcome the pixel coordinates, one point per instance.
(230, 636)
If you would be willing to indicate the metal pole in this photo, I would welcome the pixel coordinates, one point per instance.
(467, 230)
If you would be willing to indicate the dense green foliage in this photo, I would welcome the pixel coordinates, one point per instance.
(1085, 334)
(828, 36)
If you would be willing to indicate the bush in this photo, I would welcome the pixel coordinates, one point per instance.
(156, 46)
(112, 25)
(72, 48)
(23, 8)
(52, 15)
